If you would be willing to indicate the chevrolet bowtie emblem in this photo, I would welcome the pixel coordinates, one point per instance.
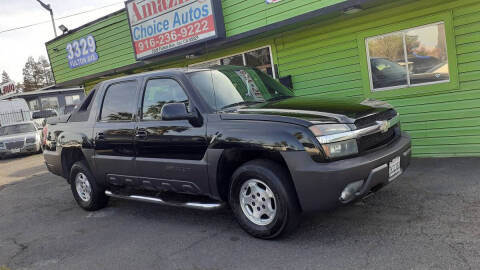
(383, 126)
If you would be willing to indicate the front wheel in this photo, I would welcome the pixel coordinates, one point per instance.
(263, 199)
(86, 192)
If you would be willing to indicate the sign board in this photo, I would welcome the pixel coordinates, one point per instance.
(7, 88)
(82, 52)
(162, 26)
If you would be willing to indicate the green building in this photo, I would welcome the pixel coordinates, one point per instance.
(422, 56)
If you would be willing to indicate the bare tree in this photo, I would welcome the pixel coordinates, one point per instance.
(5, 77)
(36, 74)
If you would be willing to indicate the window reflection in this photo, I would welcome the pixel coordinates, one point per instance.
(410, 57)
(119, 102)
(387, 60)
(158, 93)
(427, 54)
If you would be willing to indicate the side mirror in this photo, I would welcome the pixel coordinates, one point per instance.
(176, 111)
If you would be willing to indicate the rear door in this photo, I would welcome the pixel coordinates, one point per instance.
(170, 154)
(114, 132)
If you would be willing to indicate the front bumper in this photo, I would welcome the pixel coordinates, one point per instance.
(26, 149)
(319, 186)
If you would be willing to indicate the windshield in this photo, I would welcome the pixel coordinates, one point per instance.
(44, 114)
(231, 87)
(16, 129)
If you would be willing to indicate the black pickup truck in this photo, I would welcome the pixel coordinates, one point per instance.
(205, 138)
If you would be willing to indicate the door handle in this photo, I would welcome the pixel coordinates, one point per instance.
(141, 133)
(100, 136)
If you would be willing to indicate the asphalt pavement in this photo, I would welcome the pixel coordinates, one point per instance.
(428, 219)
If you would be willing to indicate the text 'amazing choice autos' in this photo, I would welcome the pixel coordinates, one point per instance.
(201, 138)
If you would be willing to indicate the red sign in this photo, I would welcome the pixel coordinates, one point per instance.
(161, 26)
(7, 88)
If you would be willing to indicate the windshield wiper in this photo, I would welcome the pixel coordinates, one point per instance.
(241, 103)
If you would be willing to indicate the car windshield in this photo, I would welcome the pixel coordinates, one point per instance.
(16, 129)
(231, 87)
(44, 114)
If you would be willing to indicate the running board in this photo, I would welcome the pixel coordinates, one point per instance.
(156, 200)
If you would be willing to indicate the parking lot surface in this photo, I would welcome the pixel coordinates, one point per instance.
(428, 219)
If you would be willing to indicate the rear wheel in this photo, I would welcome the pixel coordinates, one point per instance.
(86, 192)
(263, 199)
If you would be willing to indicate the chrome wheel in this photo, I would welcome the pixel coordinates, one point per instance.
(258, 202)
(84, 190)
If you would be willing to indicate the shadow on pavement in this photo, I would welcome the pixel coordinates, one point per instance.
(429, 218)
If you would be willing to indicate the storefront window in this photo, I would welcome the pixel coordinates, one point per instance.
(71, 100)
(33, 104)
(408, 58)
(258, 58)
(49, 103)
(235, 60)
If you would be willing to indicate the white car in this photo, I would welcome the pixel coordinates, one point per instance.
(18, 138)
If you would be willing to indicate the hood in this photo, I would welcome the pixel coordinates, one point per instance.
(306, 110)
(16, 137)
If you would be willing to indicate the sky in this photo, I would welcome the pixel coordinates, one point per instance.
(16, 46)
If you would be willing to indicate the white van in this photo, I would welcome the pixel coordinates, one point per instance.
(13, 111)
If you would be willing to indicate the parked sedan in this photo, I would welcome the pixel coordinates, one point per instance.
(24, 137)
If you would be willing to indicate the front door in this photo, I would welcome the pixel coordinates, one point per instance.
(114, 133)
(170, 154)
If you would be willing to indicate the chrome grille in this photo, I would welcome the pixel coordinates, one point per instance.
(14, 145)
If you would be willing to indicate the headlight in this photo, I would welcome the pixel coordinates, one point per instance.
(30, 140)
(342, 147)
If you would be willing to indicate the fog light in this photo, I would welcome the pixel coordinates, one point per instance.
(349, 192)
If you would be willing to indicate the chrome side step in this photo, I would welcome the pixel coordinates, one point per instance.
(192, 205)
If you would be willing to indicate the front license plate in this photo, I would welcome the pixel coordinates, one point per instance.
(15, 150)
(394, 168)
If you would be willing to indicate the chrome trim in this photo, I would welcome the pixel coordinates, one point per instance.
(381, 126)
(192, 205)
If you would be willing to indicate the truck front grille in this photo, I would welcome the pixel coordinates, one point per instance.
(14, 145)
(378, 139)
(371, 119)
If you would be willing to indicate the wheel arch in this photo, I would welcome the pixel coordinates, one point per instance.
(231, 159)
(69, 157)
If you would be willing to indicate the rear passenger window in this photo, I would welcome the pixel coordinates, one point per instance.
(119, 102)
(159, 92)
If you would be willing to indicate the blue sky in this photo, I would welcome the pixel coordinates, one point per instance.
(16, 46)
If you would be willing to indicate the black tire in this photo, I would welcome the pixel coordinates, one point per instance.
(97, 199)
(276, 178)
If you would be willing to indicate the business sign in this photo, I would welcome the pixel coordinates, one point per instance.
(82, 52)
(162, 26)
(7, 88)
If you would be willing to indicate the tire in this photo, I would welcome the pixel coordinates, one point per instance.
(279, 209)
(93, 196)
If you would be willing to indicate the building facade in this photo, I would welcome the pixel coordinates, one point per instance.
(422, 56)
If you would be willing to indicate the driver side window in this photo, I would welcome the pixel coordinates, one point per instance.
(159, 92)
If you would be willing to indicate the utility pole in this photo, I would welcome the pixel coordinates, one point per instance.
(47, 7)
